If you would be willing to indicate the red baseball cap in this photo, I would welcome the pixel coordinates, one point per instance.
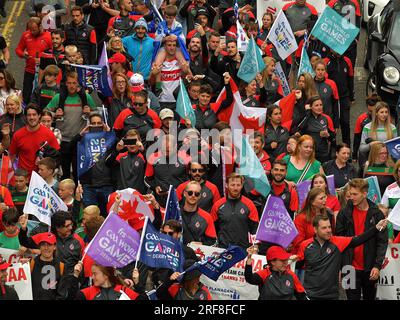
(44, 237)
(276, 252)
(4, 265)
(117, 57)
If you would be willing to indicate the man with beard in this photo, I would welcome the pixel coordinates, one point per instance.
(55, 56)
(280, 188)
(198, 52)
(229, 63)
(79, 33)
(209, 191)
(29, 139)
(123, 24)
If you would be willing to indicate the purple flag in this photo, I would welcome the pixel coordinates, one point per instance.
(276, 225)
(331, 184)
(303, 188)
(116, 244)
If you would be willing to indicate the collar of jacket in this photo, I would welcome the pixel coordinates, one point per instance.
(134, 36)
(348, 213)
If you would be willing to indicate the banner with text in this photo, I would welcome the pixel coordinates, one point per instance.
(388, 287)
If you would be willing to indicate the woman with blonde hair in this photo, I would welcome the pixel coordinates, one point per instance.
(302, 165)
(272, 84)
(7, 87)
(13, 119)
(115, 46)
(379, 129)
(381, 165)
(121, 99)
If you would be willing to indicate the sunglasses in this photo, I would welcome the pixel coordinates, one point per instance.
(198, 170)
(170, 233)
(190, 193)
(139, 104)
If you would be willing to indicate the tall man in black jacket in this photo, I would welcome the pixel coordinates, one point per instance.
(359, 215)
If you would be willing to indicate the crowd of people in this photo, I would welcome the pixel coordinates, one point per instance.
(196, 43)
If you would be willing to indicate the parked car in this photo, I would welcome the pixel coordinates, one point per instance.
(382, 57)
(371, 7)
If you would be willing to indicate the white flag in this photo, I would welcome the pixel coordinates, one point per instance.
(42, 201)
(394, 216)
(242, 39)
(281, 35)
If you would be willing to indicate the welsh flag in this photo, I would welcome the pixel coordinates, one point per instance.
(133, 207)
(287, 106)
(238, 115)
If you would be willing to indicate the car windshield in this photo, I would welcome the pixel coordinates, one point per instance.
(394, 39)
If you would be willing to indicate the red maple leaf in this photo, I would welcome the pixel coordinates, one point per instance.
(250, 123)
(127, 209)
(199, 253)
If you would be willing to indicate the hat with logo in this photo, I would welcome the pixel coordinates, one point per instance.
(166, 113)
(117, 58)
(137, 82)
(276, 252)
(47, 237)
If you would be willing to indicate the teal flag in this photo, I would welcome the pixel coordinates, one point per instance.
(335, 31)
(374, 193)
(184, 106)
(251, 168)
(252, 62)
(305, 64)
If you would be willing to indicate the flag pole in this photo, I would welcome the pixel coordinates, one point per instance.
(146, 220)
(169, 194)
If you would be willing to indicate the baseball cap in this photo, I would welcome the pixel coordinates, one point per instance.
(137, 82)
(141, 23)
(44, 237)
(276, 252)
(117, 57)
(166, 113)
(202, 12)
(4, 265)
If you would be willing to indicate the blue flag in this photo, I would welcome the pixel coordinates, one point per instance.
(305, 64)
(184, 106)
(161, 250)
(94, 77)
(393, 146)
(252, 63)
(172, 210)
(334, 30)
(250, 167)
(92, 147)
(212, 267)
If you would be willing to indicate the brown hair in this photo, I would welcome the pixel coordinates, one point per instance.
(359, 184)
(320, 175)
(111, 274)
(317, 219)
(309, 89)
(374, 153)
(92, 225)
(128, 90)
(307, 207)
(50, 163)
(51, 70)
(396, 169)
(9, 80)
(171, 10)
(375, 122)
(233, 176)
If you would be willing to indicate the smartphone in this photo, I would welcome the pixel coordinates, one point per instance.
(222, 41)
(95, 128)
(129, 142)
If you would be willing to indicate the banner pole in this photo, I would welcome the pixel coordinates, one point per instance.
(141, 240)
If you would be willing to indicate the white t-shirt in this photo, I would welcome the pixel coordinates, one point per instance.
(170, 75)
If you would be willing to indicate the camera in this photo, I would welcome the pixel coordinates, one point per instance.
(95, 128)
(129, 142)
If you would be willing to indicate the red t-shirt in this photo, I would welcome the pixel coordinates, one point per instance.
(359, 223)
(294, 198)
(333, 203)
(7, 198)
(25, 144)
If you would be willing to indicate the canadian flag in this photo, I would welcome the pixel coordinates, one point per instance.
(287, 106)
(238, 115)
(133, 207)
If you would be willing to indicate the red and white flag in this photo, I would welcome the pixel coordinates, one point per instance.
(133, 207)
(6, 172)
(287, 106)
(238, 115)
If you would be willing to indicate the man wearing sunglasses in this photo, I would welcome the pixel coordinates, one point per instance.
(197, 224)
(138, 117)
(235, 216)
(209, 191)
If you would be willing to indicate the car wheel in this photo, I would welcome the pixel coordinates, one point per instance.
(371, 84)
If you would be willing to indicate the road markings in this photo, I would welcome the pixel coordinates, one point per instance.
(8, 28)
